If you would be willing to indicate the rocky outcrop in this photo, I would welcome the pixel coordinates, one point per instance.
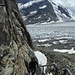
(15, 41)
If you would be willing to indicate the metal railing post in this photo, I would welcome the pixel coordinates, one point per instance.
(67, 71)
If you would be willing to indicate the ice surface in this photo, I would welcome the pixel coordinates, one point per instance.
(43, 40)
(46, 45)
(63, 41)
(56, 31)
(41, 58)
(71, 51)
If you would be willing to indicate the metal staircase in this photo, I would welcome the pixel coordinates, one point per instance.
(55, 70)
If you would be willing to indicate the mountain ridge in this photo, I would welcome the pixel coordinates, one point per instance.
(41, 11)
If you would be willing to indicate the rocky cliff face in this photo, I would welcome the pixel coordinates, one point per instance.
(15, 41)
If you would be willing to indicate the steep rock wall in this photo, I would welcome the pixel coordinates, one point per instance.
(15, 41)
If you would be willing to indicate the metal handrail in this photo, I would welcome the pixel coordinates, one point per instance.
(67, 70)
(55, 66)
(2, 4)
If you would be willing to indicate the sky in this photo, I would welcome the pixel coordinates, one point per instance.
(69, 3)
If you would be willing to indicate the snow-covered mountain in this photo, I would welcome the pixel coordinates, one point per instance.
(45, 11)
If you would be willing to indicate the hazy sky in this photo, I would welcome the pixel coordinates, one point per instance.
(69, 3)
